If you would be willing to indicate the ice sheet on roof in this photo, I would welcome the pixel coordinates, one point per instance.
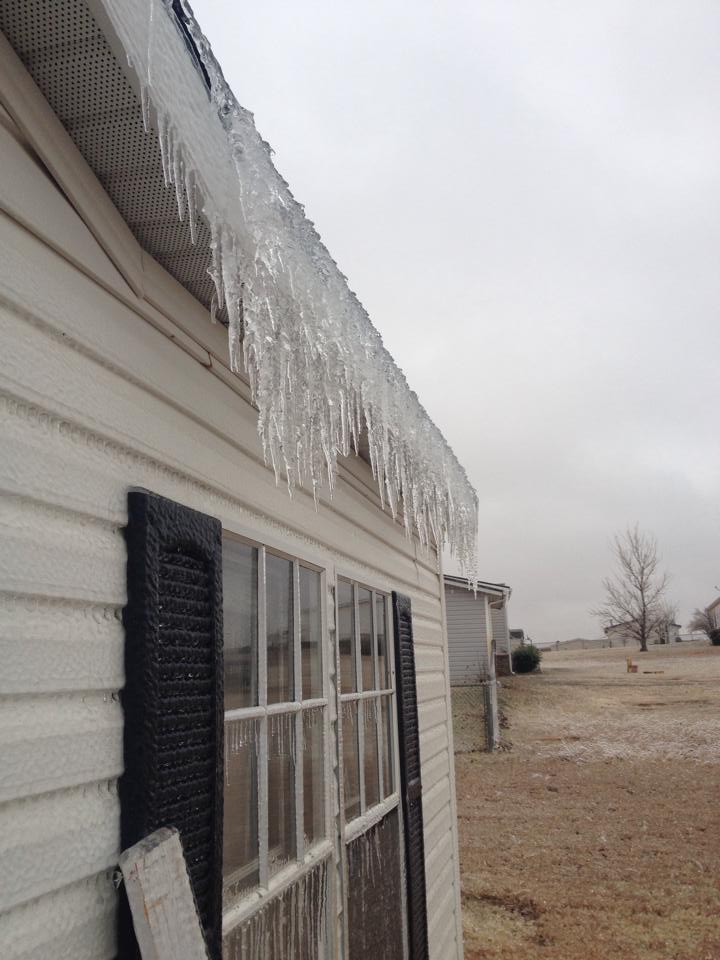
(317, 367)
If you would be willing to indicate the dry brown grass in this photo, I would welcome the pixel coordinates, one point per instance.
(597, 835)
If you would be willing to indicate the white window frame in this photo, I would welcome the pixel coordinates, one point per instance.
(368, 816)
(248, 902)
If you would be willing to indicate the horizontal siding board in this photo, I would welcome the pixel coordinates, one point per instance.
(57, 554)
(76, 923)
(437, 798)
(50, 742)
(442, 935)
(467, 635)
(436, 828)
(53, 840)
(440, 881)
(431, 712)
(433, 742)
(434, 770)
(431, 685)
(52, 646)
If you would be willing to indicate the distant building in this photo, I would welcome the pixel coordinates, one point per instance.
(713, 612)
(620, 634)
(518, 638)
(478, 636)
(478, 641)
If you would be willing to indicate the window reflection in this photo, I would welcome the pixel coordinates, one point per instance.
(372, 778)
(313, 775)
(367, 663)
(310, 634)
(279, 605)
(351, 759)
(240, 623)
(386, 741)
(381, 632)
(346, 636)
(281, 790)
(240, 826)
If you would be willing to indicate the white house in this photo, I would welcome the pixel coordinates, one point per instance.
(477, 629)
(476, 623)
(619, 634)
(183, 644)
(714, 612)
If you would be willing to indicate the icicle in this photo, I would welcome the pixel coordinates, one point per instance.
(191, 208)
(318, 369)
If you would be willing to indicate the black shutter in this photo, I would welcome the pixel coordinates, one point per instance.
(173, 697)
(410, 776)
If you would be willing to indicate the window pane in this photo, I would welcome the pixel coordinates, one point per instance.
(382, 639)
(310, 633)
(366, 639)
(240, 828)
(375, 901)
(240, 571)
(346, 636)
(386, 739)
(351, 759)
(313, 774)
(281, 790)
(279, 605)
(372, 777)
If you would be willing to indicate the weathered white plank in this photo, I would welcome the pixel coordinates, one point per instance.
(163, 909)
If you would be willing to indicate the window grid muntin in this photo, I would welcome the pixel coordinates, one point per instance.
(297, 707)
(380, 696)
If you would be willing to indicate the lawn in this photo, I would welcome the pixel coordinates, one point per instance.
(595, 832)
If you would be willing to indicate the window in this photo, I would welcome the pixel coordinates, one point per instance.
(275, 715)
(280, 880)
(366, 694)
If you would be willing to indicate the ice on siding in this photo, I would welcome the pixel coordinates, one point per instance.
(318, 370)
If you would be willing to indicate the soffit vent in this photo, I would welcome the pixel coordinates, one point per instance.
(71, 62)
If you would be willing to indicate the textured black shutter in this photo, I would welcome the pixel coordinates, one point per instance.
(173, 697)
(410, 776)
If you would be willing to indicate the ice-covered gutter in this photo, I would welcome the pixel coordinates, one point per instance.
(317, 367)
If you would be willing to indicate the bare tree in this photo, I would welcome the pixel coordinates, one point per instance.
(668, 618)
(702, 621)
(635, 594)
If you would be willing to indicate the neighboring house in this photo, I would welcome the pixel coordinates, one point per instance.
(714, 612)
(330, 748)
(472, 644)
(501, 635)
(619, 634)
(518, 638)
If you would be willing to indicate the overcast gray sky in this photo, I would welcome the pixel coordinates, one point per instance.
(525, 194)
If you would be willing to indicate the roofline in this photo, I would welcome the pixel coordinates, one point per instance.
(628, 623)
(484, 586)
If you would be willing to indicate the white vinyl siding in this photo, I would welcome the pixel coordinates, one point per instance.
(101, 391)
(501, 634)
(468, 647)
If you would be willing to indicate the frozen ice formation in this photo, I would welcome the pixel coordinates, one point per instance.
(317, 367)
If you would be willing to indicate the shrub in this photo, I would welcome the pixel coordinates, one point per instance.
(526, 659)
(715, 637)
